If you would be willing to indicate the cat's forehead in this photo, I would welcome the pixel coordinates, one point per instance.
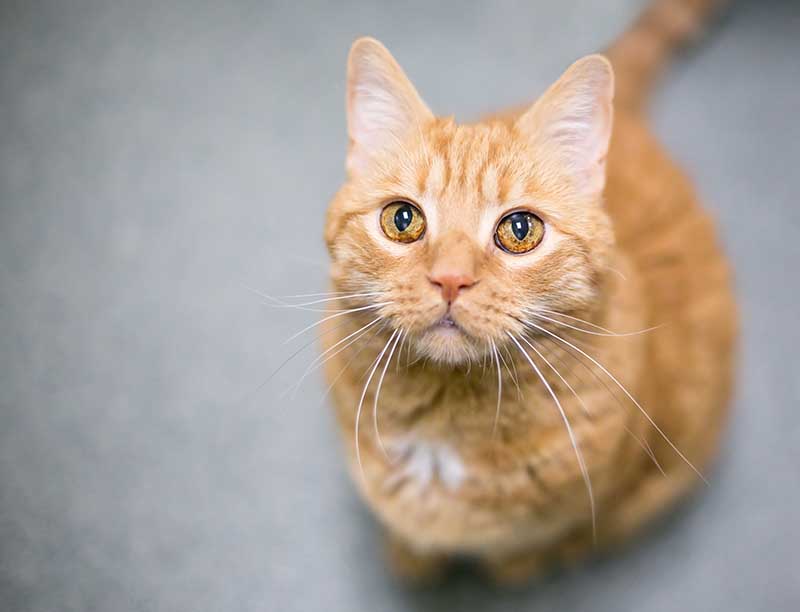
(463, 169)
(478, 160)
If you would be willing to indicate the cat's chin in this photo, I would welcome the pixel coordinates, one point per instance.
(448, 344)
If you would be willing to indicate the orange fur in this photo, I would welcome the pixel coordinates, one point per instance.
(626, 247)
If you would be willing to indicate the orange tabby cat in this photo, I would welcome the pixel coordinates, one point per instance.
(536, 352)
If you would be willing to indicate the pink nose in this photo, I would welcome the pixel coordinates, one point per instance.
(451, 284)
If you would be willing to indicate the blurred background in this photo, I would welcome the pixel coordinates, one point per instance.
(158, 157)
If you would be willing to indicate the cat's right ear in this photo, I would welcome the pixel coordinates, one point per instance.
(382, 104)
(572, 121)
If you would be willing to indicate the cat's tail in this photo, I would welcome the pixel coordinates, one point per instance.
(643, 50)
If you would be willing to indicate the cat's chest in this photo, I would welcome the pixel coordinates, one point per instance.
(418, 463)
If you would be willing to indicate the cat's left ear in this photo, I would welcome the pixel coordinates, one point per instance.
(382, 104)
(571, 123)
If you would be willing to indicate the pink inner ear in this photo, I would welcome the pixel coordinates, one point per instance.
(572, 121)
(382, 104)
(377, 115)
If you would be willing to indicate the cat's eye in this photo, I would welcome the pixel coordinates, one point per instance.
(402, 222)
(519, 232)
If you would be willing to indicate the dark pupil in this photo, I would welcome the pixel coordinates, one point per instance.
(519, 225)
(403, 217)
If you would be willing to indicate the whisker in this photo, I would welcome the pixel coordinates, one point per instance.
(378, 392)
(294, 354)
(605, 333)
(576, 448)
(363, 395)
(400, 353)
(642, 442)
(646, 448)
(617, 272)
(304, 295)
(372, 334)
(515, 376)
(307, 309)
(324, 300)
(511, 375)
(276, 302)
(499, 388)
(557, 373)
(321, 359)
(576, 319)
(630, 397)
(333, 316)
(417, 360)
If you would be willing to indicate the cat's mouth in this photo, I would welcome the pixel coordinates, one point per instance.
(447, 323)
(447, 341)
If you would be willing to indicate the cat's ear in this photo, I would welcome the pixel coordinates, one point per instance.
(572, 121)
(382, 104)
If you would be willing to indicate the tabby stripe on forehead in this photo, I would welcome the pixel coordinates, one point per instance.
(423, 171)
(405, 174)
(458, 158)
(489, 185)
(441, 144)
(436, 177)
(512, 187)
(478, 165)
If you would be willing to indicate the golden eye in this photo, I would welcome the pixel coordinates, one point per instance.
(519, 232)
(402, 222)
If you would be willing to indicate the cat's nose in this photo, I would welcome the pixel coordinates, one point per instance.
(451, 284)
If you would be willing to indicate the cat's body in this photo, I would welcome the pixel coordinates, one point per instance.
(452, 471)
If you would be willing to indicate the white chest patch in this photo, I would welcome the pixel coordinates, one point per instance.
(421, 462)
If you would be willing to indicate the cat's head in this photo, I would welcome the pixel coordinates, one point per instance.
(459, 231)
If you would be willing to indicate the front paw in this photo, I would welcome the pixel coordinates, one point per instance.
(413, 566)
(517, 569)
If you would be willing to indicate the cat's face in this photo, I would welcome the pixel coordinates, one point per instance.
(459, 231)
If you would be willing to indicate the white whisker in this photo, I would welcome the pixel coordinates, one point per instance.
(333, 316)
(363, 395)
(557, 373)
(642, 442)
(515, 375)
(307, 309)
(321, 359)
(617, 272)
(378, 393)
(324, 300)
(294, 354)
(374, 332)
(578, 454)
(511, 375)
(277, 302)
(289, 297)
(400, 353)
(499, 388)
(605, 333)
(630, 397)
(647, 449)
(572, 318)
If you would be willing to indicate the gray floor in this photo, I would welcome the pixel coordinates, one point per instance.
(155, 157)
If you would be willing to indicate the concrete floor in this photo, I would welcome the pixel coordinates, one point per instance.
(155, 157)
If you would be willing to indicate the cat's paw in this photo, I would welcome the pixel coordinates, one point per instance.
(412, 566)
(517, 570)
